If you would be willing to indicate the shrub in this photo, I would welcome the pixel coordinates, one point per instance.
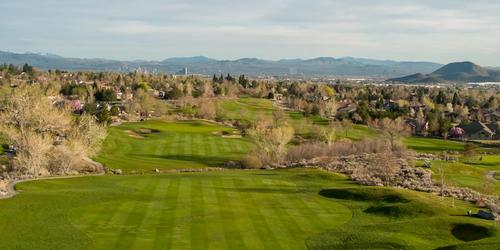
(251, 162)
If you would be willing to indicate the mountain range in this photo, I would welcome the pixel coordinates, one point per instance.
(462, 72)
(321, 66)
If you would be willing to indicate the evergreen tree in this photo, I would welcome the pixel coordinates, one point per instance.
(456, 99)
(441, 98)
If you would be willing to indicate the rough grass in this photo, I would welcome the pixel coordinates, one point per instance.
(226, 210)
(170, 145)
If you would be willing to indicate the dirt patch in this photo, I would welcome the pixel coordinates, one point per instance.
(133, 134)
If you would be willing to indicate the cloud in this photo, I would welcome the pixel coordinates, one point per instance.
(440, 31)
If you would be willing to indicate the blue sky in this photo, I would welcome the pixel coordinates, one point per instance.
(440, 31)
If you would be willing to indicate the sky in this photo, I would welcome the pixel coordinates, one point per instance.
(426, 30)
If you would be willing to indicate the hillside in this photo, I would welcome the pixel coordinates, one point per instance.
(322, 66)
(454, 72)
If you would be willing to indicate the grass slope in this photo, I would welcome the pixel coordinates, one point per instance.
(283, 209)
(169, 145)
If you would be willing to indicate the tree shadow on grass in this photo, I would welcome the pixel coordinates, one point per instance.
(210, 161)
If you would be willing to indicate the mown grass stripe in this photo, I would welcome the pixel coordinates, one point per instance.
(198, 221)
(225, 146)
(136, 216)
(284, 227)
(250, 238)
(181, 233)
(234, 240)
(160, 147)
(305, 219)
(116, 221)
(215, 224)
(188, 141)
(288, 209)
(214, 146)
(265, 230)
(200, 145)
(206, 145)
(153, 213)
(114, 206)
(174, 148)
(165, 227)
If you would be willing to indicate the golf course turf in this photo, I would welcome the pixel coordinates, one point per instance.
(144, 146)
(281, 209)
(227, 209)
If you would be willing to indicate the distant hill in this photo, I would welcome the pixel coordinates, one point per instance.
(454, 72)
(322, 66)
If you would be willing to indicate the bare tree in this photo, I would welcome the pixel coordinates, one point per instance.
(393, 130)
(45, 135)
(346, 126)
(271, 141)
(385, 166)
(329, 134)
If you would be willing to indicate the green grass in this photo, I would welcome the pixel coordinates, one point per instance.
(469, 173)
(170, 145)
(296, 116)
(282, 209)
(246, 109)
(432, 145)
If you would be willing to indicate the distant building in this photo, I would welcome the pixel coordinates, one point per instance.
(495, 128)
(477, 131)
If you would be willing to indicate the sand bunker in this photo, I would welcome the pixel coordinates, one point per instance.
(133, 134)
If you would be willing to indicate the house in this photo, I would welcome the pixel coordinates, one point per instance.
(347, 107)
(417, 127)
(492, 116)
(477, 131)
(495, 128)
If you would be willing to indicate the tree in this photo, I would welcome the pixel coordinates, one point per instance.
(207, 110)
(104, 116)
(271, 141)
(385, 166)
(330, 108)
(441, 98)
(346, 126)
(176, 93)
(43, 135)
(115, 111)
(329, 133)
(107, 95)
(444, 127)
(456, 99)
(393, 130)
